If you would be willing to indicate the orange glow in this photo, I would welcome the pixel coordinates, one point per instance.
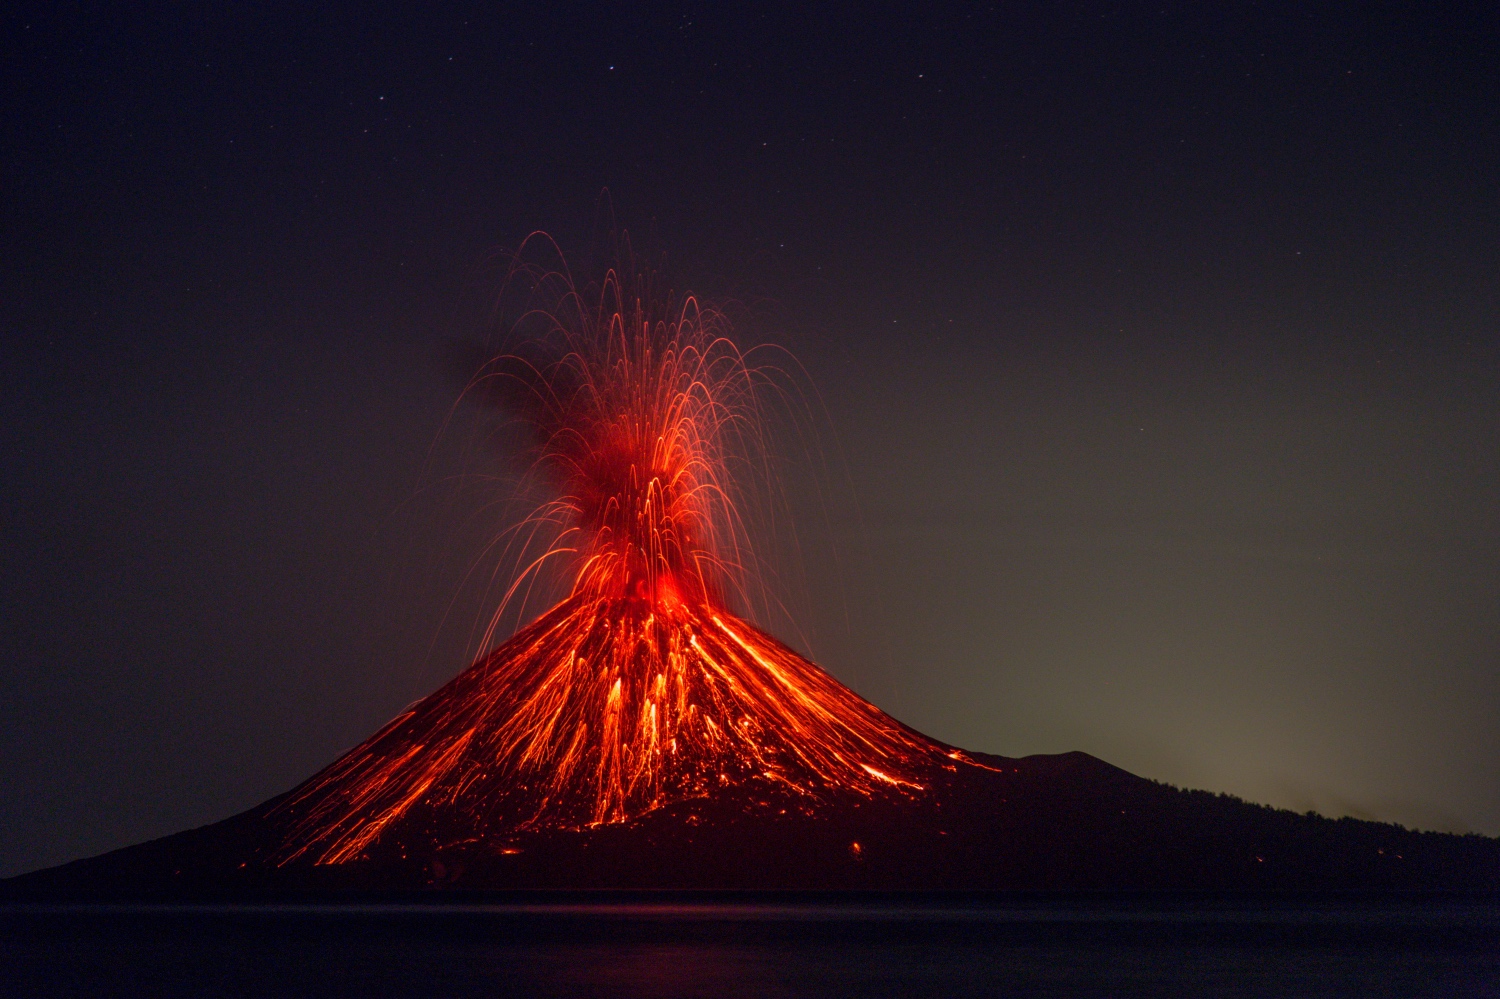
(640, 689)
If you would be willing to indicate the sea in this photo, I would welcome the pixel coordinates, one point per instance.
(730, 946)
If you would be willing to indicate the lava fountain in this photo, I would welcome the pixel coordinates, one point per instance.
(640, 689)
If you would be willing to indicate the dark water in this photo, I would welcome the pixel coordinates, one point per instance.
(724, 949)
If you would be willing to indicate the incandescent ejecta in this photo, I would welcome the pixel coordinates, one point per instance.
(641, 688)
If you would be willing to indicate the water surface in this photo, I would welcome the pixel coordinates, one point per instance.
(735, 947)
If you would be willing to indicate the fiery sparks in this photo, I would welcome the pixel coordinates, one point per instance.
(640, 689)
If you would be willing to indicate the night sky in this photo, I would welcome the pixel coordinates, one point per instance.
(1157, 353)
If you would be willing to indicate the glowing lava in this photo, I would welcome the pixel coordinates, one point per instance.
(640, 689)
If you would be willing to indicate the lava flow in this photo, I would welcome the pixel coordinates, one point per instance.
(640, 689)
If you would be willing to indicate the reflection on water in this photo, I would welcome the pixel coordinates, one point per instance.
(723, 949)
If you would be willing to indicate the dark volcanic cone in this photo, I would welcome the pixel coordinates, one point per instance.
(602, 712)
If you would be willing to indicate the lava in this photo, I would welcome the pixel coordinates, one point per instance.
(640, 688)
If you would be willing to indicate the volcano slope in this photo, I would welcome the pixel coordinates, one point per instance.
(737, 765)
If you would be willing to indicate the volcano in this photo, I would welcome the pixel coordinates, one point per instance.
(641, 734)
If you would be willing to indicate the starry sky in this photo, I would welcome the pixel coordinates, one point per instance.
(1154, 352)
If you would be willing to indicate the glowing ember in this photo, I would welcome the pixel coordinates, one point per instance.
(640, 689)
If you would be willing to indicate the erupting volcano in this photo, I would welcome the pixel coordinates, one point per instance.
(641, 734)
(641, 688)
